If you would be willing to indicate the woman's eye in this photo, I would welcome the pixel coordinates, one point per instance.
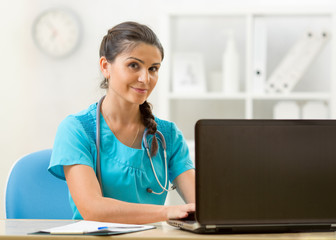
(153, 69)
(133, 65)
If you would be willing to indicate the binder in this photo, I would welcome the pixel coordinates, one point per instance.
(294, 65)
(259, 56)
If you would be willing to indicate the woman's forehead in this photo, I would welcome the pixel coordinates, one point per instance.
(142, 51)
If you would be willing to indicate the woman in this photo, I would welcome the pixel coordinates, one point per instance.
(130, 58)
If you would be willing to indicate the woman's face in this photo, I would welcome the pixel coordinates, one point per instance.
(134, 74)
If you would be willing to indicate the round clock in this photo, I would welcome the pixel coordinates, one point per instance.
(57, 32)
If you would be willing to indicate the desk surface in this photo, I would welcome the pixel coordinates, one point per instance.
(18, 229)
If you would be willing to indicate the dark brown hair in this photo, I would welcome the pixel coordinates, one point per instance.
(124, 37)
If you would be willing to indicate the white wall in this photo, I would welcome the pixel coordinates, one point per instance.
(37, 92)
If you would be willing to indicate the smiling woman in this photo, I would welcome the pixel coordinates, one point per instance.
(131, 78)
(103, 151)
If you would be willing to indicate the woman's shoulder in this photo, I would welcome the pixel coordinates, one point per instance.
(91, 110)
(83, 121)
(163, 124)
(86, 114)
(166, 127)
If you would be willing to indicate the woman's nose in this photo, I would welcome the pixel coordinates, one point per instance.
(144, 77)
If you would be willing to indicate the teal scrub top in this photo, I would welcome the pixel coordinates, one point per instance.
(126, 172)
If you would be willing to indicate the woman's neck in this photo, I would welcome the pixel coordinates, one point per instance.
(124, 120)
(120, 112)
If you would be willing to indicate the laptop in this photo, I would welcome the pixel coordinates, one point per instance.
(264, 176)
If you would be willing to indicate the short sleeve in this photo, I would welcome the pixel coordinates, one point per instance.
(71, 146)
(179, 157)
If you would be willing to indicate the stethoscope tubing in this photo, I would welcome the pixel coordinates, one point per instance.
(98, 169)
(163, 143)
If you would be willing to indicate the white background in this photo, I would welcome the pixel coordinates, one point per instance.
(37, 92)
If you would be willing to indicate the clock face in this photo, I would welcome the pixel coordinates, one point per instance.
(57, 32)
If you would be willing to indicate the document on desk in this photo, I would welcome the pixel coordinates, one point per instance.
(94, 228)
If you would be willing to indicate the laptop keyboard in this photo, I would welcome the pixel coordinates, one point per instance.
(191, 218)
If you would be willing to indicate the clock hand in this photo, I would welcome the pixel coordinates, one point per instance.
(53, 30)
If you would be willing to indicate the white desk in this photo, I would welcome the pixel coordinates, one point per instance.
(18, 229)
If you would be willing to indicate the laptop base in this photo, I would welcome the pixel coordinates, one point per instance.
(195, 227)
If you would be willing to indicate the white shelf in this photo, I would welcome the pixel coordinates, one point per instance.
(204, 34)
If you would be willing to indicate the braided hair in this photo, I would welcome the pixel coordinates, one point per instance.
(125, 37)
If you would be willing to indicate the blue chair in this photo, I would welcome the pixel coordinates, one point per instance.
(34, 193)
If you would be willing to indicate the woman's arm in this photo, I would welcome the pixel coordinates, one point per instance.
(87, 196)
(185, 185)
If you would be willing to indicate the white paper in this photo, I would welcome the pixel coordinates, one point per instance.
(82, 227)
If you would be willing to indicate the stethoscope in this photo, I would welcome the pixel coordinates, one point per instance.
(144, 139)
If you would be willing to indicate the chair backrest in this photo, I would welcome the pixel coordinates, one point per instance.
(34, 193)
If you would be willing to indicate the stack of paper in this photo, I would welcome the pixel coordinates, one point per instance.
(95, 228)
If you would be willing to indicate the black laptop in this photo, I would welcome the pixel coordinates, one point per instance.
(264, 176)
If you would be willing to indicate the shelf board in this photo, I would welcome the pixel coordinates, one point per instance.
(294, 96)
(210, 96)
(244, 96)
(243, 11)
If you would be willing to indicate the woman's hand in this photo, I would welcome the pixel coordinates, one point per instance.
(179, 211)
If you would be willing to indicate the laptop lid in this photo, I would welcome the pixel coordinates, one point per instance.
(265, 172)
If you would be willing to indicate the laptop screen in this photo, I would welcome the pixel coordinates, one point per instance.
(265, 171)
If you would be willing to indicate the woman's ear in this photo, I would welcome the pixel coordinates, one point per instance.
(104, 67)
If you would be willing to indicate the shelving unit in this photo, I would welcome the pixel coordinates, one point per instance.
(206, 31)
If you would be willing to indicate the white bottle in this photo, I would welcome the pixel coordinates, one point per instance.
(230, 66)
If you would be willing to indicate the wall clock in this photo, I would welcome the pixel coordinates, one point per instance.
(57, 32)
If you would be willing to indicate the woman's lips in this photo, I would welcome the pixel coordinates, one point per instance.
(140, 90)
